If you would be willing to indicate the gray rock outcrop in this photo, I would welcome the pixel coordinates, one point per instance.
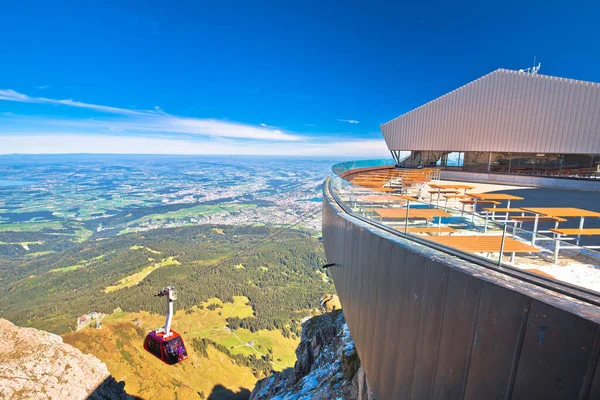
(37, 365)
(327, 366)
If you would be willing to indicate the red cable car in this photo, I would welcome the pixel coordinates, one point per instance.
(164, 343)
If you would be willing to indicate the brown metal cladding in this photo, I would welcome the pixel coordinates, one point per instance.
(505, 111)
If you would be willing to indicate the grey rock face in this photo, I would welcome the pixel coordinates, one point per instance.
(327, 366)
(37, 365)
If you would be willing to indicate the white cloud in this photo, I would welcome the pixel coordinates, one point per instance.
(42, 143)
(130, 131)
(350, 121)
(153, 120)
(42, 87)
(11, 95)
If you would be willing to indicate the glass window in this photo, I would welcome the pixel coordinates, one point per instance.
(174, 348)
(548, 164)
(433, 158)
(544, 164)
(500, 163)
(416, 159)
(576, 165)
(442, 160)
(455, 159)
(153, 346)
(595, 173)
(476, 161)
(522, 163)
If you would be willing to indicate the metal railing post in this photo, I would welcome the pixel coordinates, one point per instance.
(502, 245)
(406, 219)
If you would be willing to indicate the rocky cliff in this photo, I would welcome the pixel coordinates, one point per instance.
(328, 366)
(37, 365)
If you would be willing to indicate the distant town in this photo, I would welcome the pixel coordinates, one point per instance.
(112, 195)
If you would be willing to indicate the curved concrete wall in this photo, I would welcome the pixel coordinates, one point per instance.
(428, 325)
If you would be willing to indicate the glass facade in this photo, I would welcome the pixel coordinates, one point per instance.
(586, 166)
(476, 161)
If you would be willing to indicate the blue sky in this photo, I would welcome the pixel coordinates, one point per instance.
(305, 78)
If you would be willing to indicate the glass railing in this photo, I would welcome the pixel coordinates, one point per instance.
(339, 169)
(454, 227)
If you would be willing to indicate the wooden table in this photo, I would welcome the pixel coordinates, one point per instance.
(410, 213)
(429, 229)
(439, 192)
(458, 186)
(419, 181)
(369, 183)
(384, 198)
(385, 190)
(451, 186)
(494, 196)
(484, 244)
(407, 213)
(564, 212)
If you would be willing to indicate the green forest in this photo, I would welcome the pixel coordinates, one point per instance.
(275, 268)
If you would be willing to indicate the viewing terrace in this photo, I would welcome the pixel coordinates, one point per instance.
(549, 234)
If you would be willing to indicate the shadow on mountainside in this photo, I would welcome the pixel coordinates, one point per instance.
(111, 389)
(222, 393)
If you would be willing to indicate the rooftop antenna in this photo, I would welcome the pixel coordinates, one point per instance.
(534, 69)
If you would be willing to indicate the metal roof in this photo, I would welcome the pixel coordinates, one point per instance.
(505, 111)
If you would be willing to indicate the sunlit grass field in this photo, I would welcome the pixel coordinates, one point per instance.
(120, 345)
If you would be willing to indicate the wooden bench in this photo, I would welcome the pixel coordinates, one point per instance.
(473, 202)
(577, 232)
(529, 218)
(458, 196)
(480, 202)
(441, 229)
(503, 210)
(572, 232)
(443, 191)
(492, 211)
(541, 218)
(385, 190)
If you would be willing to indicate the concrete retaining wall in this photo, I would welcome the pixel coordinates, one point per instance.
(428, 325)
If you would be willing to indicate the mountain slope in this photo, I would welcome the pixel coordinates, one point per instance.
(119, 345)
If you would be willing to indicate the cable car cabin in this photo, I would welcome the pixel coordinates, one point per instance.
(164, 343)
(170, 350)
